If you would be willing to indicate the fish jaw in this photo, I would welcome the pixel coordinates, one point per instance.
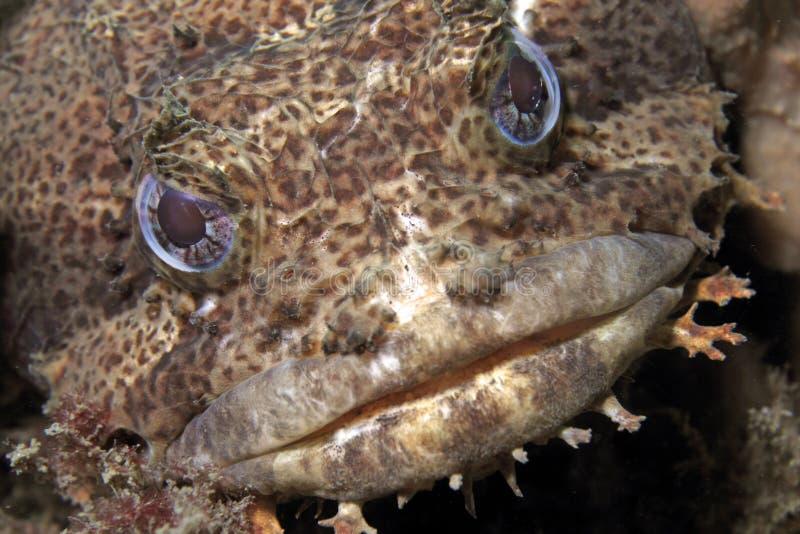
(466, 429)
(510, 370)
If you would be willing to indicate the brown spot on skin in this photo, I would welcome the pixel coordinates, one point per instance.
(655, 137)
(464, 131)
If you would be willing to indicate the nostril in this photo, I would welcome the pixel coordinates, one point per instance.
(128, 438)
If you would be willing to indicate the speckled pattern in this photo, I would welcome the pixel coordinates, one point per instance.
(343, 139)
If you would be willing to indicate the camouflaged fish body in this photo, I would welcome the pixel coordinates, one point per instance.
(387, 288)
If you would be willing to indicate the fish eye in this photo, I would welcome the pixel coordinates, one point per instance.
(526, 102)
(186, 232)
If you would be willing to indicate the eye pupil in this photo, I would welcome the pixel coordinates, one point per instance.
(526, 84)
(180, 218)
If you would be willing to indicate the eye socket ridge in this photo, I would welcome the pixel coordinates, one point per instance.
(526, 102)
(185, 232)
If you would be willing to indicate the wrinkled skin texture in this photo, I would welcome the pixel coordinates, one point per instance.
(349, 142)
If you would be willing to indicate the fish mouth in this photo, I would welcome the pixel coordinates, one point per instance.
(453, 385)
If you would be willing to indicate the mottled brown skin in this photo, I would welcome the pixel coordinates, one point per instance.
(341, 139)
